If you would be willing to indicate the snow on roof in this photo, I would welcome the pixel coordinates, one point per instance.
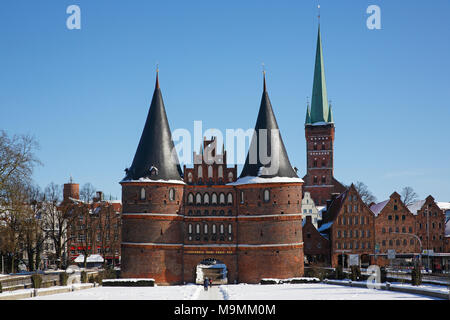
(325, 226)
(158, 181)
(321, 208)
(443, 205)
(416, 206)
(91, 258)
(255, 180)
(376, 208)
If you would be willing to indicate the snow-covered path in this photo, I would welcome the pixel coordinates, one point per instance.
(213, 293)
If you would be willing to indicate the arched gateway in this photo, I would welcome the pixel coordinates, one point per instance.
(212, 269)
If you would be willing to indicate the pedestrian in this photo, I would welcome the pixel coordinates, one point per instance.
(205, 284)
(210, 282)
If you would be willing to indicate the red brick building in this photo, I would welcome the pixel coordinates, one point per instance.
(95, 227)
(179, 227)
(319, 133)
(430, 224)
(316, 247)
(395, 227)
(349, 224)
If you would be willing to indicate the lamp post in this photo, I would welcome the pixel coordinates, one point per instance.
(418, 239)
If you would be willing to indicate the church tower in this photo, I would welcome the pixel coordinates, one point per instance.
(319, 133)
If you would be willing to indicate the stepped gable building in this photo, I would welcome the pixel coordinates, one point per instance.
(395, 226)
(430, 224)
(179, 228)
(349, 225)
(319, 133)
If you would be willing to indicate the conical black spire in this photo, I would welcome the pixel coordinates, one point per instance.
(267, 134)
(155, 156)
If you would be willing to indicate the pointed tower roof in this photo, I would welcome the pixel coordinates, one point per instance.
(308, 115)
(319, 101)
(155, 157)
(279, 166)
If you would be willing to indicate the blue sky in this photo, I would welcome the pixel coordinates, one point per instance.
(84, 94)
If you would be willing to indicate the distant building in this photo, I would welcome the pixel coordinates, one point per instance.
(310, 209)
(316, 245)
(319, 134)
(95, 227)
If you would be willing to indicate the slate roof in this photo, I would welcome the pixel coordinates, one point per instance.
(155, 157)
(253, 166)
(378, 207)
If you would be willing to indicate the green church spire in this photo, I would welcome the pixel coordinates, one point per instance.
(320, 111)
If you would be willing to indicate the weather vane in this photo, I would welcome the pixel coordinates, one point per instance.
(318, 8)
(263, 68)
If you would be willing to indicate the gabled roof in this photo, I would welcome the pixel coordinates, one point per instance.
(378, 207)
(334, 208)
(155, 158)
(267, 128)
(416, 206)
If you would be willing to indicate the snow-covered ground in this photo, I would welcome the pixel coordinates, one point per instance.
(186, 292)
(316, 291)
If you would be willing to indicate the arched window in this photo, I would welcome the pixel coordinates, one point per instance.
(190, 213)
(197, 228)
(205, 228)
(200, 172)
(214, 229)
(266, 195)
(142, 194)
(190, 177)
(206, 198)
(230, 176)
(210, 172)
(198, 198)
(229, 229)
(221, 229)
(222, 213)
(230, 198)
(171, 194)
(190, 198)
(222, 198)
(214, 198)
(190, 228)
(220, 173)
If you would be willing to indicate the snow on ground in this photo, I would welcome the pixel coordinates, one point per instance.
(316, 291)
(312, 292)
(186, 292)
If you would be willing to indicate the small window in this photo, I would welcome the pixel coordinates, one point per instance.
(190, 198)
(221, 229)
(230, 198)
(214, 198)
(229, 229)
(172, 194)
(142, 194)
(230, 177)
(222, 198)
(242, 197)
(220, 172)
(190, 177)
(190, 228)
(198, 199)
(266, 195)
(200, 172)
(206, 198)
(205, 229)
(210, 172)
(197, 228)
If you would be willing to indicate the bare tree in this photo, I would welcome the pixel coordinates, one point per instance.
(57, 220)
(366, 195)
(408, 195)
(17, 159)
(87, 192)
